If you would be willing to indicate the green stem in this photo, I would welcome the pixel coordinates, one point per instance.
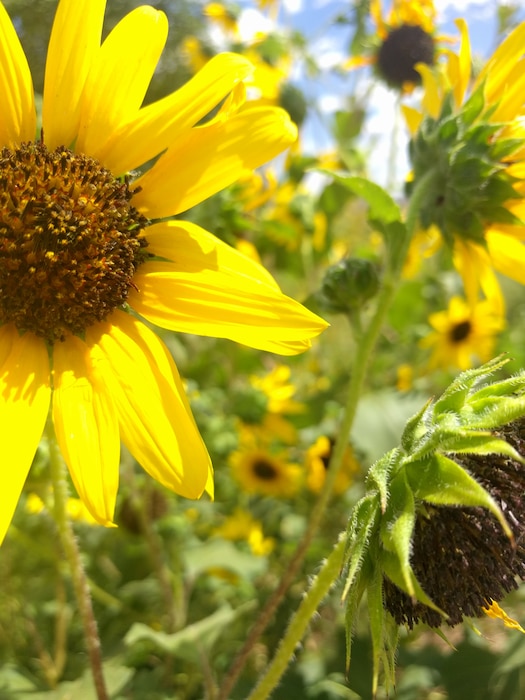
(364, 349)
(71, 550)
(300, 621)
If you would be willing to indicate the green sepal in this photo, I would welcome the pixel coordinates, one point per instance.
(352, 601)
(376, 614)
(397, 525)
(416, 428)
(378, 476)
(361, 525)
(442, 481)
(454, 397)
(505, 387)
(487, 413)
(474, 106)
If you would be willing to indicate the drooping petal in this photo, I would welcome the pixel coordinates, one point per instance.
(25, 394)
(223, 304)
(120, 76)
(475, 267)
(211, 157)
(17, 106)
(496, 70)
(195, 250)
(86, 428)
(74, 42)
(158, 125)
(155, 419)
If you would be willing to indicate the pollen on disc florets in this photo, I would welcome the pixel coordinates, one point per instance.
(460, 555)
(70, 241)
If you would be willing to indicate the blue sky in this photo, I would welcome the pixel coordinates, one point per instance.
(315, 19)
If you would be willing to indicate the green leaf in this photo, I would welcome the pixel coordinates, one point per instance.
(189, 643)
(442, 481)
(382, 206)
(222, 554)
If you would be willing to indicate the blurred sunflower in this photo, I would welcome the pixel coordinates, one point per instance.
(463, 334)
(82, 244)
(404, 38)
(242, 526)
(317, 460)
(260, 471)
(468, 155)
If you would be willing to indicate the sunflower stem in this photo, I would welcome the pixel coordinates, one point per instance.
(318, 590)
(70, 546)
(363, 353)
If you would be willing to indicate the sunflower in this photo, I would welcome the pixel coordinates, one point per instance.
(317, 460)
(260, 471)
(242, 526)
(87, 251)
(404, 38)
(471, 143)
(463, 333)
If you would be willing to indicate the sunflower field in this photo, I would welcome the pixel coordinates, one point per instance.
(262, 351)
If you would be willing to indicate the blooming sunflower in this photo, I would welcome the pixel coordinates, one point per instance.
(317, 460)
(404, 38)
(463, 333)
(476, 162)
(260, 471)
(87, 251)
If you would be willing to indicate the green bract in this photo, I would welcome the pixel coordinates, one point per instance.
(426, 478)
(470, 185)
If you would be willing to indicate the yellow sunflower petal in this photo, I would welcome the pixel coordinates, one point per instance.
(431, 99)
(459, 70)
(158, 125)
(74, 42)
(17, 109)
(496, 70)
(25, 393)
(223, 304)
(155, 418)
(210, 158)
(86, 428)
(507, 255)
(120, 76)
(195, 250)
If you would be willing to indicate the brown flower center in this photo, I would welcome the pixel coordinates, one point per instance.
(401, 51)
(70, 241)
(460, 332)
(264, 470)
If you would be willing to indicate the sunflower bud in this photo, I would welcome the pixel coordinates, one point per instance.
(438, 535)
(348, 285)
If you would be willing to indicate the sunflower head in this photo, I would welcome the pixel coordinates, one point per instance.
(466, 156)
(437, 536)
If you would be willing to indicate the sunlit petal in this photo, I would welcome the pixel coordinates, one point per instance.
(120, 75)
(75, 39)
(25, 393)
(224, 305)
(17, 107)
(210, 158)
(86, 428)
(196, 250)
(160, 124)
(155, 418)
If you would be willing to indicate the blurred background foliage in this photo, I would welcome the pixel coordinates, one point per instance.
(178, 584)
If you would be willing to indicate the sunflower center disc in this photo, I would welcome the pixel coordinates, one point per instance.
(70, 241)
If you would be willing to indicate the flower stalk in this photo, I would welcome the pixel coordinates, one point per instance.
(69, 544)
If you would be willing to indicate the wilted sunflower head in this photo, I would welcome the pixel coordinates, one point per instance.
(460, 555)
(438, 535)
